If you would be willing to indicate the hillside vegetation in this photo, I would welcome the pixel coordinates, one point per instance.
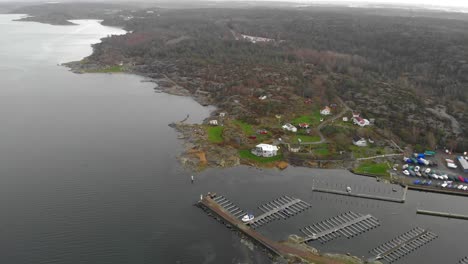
(407, 70)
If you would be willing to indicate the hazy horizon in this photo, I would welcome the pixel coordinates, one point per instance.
(454, 3)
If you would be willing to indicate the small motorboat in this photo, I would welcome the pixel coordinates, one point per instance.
(248, 217)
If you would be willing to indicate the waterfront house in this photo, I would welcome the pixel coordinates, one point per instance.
(359, 141)
(265, 150)
(213, 122)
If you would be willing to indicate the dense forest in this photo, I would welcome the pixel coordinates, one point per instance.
(407, 69)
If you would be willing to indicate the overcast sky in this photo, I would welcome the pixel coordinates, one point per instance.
(453, 3)
(439, 3)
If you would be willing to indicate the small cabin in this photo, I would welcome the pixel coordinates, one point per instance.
(325, 111)
(359, 141)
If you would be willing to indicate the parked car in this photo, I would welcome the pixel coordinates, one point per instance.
(406, 172)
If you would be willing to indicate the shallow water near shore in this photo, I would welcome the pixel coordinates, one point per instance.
(88, 171)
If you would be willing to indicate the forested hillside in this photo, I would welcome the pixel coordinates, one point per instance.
(405, 69)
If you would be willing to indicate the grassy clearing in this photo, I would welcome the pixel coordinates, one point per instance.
(377, 169)
(246, 128)
(322, 151)
(363, 152)
(246, 154)
(110, 69)
(215, 134)
(306, 138)
(313, 119)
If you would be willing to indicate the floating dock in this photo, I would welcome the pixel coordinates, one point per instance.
(209, 204)
(349, 224)
(282, 207)
(365, 196)
(442, 214)
(463, 260)
(230, 207)
(402, 245)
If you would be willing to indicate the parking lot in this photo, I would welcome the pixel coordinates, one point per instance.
(432, 171)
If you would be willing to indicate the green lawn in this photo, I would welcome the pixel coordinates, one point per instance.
(246, 154)
(322, 151)
(313, 119)
(306, 138)
(215, 134)
(110, 69)
(378, 169)
(246, 128)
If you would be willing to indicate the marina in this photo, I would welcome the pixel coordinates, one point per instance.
(209, 203)
(349, 224)
(229, 206)
(402, 245)
(280, 208)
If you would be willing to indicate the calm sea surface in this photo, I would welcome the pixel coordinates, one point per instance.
(88, 171)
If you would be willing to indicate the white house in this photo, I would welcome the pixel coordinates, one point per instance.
(360, 121)
(289, 127)
(265, 150)
(359, 141)
(325, 111)
(213, 122)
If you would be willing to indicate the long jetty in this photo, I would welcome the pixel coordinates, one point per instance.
(209, 204)
(442, 214)
(402, 245)
(282, 207)
(365, 196)
(348, 224)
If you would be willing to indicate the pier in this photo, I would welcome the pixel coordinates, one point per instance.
(365, 196)
(209, 204)
(463, 260)
(349, 224)
(402, 245)
(442, 214)
(229, 207)
(282, 207)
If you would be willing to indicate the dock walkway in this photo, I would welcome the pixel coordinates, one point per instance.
(365, 196)
(282, 207)
(275, 248)
(402, 245)
(348, 224)
(442, 214)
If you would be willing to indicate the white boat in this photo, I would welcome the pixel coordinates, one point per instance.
(247, 218)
